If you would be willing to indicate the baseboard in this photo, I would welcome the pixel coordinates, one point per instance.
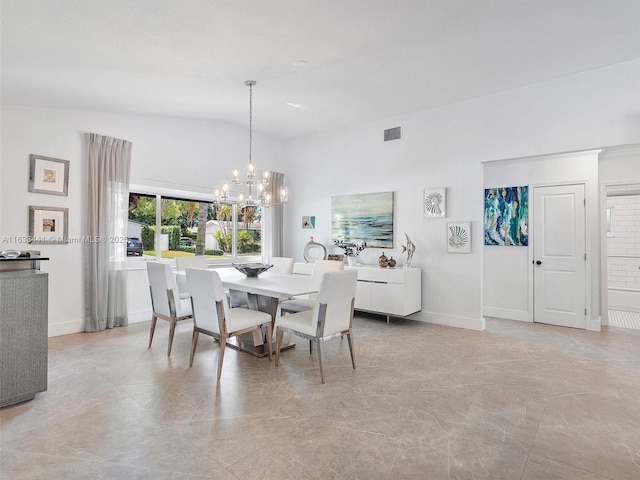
(66, 328)
(468, 323)
(508, 313)
(77, 326)
(594, 324)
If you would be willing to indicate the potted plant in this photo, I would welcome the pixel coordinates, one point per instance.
(351, 250)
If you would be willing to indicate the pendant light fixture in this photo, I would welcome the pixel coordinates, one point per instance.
(254, 189)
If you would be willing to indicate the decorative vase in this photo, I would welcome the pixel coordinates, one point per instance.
(352, 261)
(392, 262)
(383, 261)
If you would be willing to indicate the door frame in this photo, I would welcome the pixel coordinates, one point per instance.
(590, 324)
(604, 259)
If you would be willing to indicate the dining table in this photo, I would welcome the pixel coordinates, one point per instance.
(263, 293)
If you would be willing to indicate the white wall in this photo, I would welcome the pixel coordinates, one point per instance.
(443, 146)
(507, 273)
(167, 152)
(446, 146)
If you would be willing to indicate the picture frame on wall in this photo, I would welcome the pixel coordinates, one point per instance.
(506, 216)
(363, 218)
(309, 222)
(435, 202)
(459, 237)
(48, 175)
(48, 225)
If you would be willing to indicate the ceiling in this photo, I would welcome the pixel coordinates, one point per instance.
(365, 59)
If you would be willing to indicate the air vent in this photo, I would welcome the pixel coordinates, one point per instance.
(394, 133)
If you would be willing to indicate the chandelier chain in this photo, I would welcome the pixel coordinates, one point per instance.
(250, 119)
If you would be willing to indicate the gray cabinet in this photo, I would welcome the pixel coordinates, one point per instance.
(23, 334)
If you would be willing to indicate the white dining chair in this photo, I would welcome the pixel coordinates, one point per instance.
(299, 304)
(281, 265)
(165, 299)
(191, 261)
(331, 316)
(213, 316)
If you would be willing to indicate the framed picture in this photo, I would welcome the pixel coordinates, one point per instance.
(506, 211)
(435, 202)
(363, 218)
(48, 224)
(48, 175)
(309, 222)
(459, 237)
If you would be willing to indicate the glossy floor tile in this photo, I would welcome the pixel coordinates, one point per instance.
(517, 401)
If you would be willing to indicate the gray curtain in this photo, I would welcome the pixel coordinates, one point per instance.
(108, 164)
(273, 219)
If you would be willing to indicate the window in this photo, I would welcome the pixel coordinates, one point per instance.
(171, 226)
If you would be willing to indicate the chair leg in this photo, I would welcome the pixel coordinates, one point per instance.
(310, 347)
(153, 329)
(320, 360)
(351, 350)
(223, 344)
(194, 342)
(279, 334)
(172, 330)
(269, 341)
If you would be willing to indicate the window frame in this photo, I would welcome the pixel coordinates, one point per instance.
(195, 196)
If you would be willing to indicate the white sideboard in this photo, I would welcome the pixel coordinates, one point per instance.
(393, 292)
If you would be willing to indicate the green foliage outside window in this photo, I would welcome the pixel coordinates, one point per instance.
(149, 233)
(224, 241)
(246, 242)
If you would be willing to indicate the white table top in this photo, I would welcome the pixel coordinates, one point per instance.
(267, 283)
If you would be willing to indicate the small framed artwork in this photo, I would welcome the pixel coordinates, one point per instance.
(48, 224)
(435, 203)
(48, 175)
(459, 237)
(309, 222)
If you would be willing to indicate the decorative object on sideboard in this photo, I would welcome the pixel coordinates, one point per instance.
(383, 261)
(314, 251)
(48, 175)
(409, 248)
(435, 202)
(392, 262)
(11, 253)
(505, 216)
(309, 222)
(351, 250)
(459, 237)
(364, 217)
(48, 224)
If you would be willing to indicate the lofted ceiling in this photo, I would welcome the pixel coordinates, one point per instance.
(365, 59)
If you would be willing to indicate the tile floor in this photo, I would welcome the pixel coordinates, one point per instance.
(517, 401)
(624, 319)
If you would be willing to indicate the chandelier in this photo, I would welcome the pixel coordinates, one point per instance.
(253, 189)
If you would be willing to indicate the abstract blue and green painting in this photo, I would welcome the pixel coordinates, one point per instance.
(505, 216)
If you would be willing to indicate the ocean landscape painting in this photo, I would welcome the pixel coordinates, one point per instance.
(366, 217)
(506, 211)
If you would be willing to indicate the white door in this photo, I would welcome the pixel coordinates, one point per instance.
(559, 262)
